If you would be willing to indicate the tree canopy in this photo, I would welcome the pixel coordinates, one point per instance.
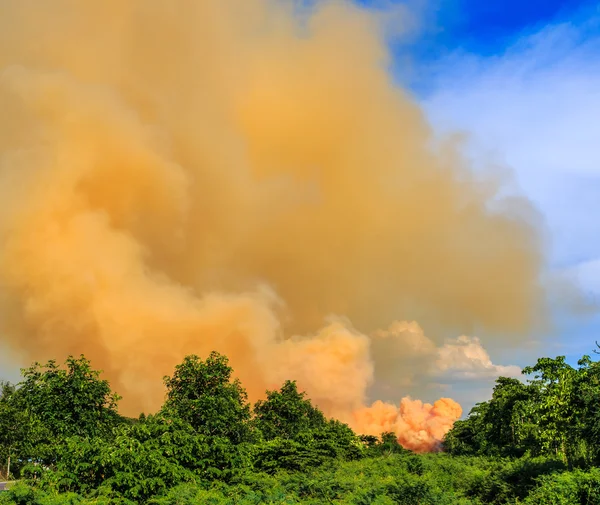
(555, 412)
(204, 394)
(535, 441)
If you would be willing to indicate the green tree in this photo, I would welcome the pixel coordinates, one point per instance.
(503, 426)
(388, 444)
(142, 460)
(584, 433)
(204, 394)
(49, 405)
(463, 438)
(554, 407)
(507, 417)
(73, 401)
(19, 434)
(297, 434)
(286, 413)
(555, 414)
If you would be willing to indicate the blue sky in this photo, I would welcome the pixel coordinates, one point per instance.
(521, 79)
(484, 28)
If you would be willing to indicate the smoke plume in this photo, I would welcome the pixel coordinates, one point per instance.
(419, 426)
(183, 176)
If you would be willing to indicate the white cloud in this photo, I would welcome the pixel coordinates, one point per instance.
(406, 358)
(587, 274)
(465, 358)
(410, 362)
(535, 108)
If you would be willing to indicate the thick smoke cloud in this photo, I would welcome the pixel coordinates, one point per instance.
(183, 176)
(419, 426)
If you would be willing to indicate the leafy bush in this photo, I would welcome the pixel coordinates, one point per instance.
(567, 488)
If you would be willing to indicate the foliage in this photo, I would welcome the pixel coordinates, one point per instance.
(297, 436)
(534, 442)
(203, 394)
(51, 404)
(142, 460)
(556, 413)
(73, 401)
(437, 479)
(567, 488)
(286, 413)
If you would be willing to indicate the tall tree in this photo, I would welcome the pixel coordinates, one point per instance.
(508, 416)
(556, 413)
(554, 409)
(287, 413)
(19, 434)
(68, 401)
(584, 433)
(204, 394)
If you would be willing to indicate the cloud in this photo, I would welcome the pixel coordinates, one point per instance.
(587, 274)
(407, 357)
(534, 108)
(465, 358)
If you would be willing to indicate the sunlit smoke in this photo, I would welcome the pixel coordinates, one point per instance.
(419, 426)
(178, 177)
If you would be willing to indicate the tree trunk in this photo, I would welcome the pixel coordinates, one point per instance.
(8, 469)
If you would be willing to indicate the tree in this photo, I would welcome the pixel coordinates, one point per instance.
(585, 430)
(554, 409)
(204, 394)
(49, 405)
(286, 413)
(508, 417)
(555, 414)
(461, 440)
(19, 434)
(298, 435)
(501, 426)
(68, 402)
(142, 460)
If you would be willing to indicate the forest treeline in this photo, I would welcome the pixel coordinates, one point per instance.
(63, 441)
(556, 413)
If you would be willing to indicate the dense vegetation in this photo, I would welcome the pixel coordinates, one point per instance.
(65, 442)
(556, 413)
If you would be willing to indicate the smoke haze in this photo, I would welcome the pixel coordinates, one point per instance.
(243, 176)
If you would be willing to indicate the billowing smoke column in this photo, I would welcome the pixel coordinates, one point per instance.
(183, 176)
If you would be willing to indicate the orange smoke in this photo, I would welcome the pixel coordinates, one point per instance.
(419, 426)
(178, 177)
